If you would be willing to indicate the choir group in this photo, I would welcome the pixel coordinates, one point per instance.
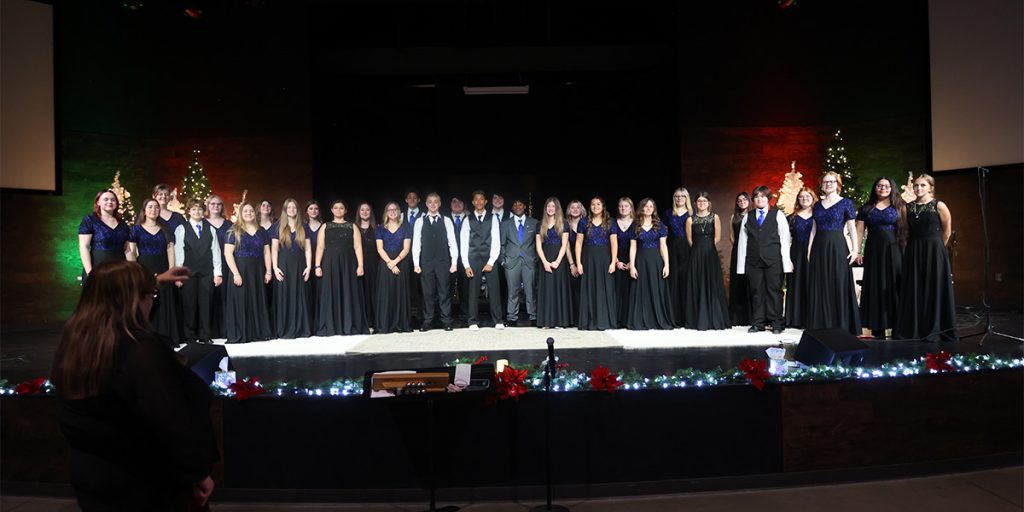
(295, 276)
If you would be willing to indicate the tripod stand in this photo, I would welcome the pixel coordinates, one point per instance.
(989, 328)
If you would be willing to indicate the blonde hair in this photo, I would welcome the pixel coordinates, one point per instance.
(632, 209)
(688, 207)
(239, 226)
(284, 231)
(384, 221)
(814, 199)
(928, 179)
(583, 211)
(558, 218)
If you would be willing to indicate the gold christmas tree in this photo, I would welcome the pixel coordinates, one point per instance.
(173, 204)
(125, 208)
(237, 213)
(908, 189)
(791, 185)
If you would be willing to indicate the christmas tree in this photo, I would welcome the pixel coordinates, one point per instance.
(836, 161)
(195, 185)
(237, 212)
(791, 185)
(908, 189)
(125, 208)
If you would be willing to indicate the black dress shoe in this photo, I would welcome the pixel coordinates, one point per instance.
(425, 327)
(754, 328)
(448, 328)
(778, 330)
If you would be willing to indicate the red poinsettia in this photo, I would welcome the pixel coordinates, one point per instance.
(30, 387)
(756, 371)
(511, 383)
(938, 362)
(602, 379)
(480, 359)
(246, 388)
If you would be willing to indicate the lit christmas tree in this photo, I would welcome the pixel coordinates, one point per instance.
(195, 185)
(125, 208)
(836, 161)
(791, 186)
(908, 189)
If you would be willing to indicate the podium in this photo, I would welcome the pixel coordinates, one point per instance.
(414, 395)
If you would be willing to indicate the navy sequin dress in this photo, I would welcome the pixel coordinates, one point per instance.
(245, 318)
(706, 307)
(623, 282)
(831, 296)
(926, 308)
(678, 263)
(883, 260)
(291, 295)
(153, 256)
(219, 301)
(554, 296)
(392, 302)
(107, 242)
(598, 309)
(341, 297)
(798, 281)
(649, 303)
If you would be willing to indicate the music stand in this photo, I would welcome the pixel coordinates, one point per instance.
(482, 382)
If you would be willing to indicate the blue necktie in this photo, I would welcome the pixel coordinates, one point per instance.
(458, 223)
(199, 230)
(520, 237)
(760, 217)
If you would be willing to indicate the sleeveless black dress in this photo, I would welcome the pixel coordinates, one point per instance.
(927, 309)
(706, 307)
(341, 297)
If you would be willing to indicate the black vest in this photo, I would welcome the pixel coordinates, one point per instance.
(764, 247)
(479, 238)
(198, 257)
(434, 243)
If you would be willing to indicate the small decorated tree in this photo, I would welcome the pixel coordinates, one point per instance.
(908, 189)
(836, 161)
(791, 185)
(195, 185)
(125, 208)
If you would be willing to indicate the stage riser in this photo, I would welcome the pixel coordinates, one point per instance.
(728, 431)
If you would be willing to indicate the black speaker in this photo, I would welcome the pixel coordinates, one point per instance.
(826, 346)
(204, 360)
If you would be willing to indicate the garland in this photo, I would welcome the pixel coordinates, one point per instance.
(531, 378)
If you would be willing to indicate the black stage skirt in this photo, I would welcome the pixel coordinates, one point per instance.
(291, 296)
(649, 303)
(164, 316)
(678, 265)
(245, 317)
(706, 307)
(598, 309)
(927, 309)
(392, 303)
(879, 291)
(219, 301)
(99, 256)
(368, 282)
(341, 297)
(554, 297)
(739, 293)
(796, 286)
(831, 296)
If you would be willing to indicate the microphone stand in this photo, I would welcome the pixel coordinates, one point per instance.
(989, 328)
(549, 375)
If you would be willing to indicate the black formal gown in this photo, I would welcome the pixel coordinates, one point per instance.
(598, 308)
(291, 295)
(739, 292)
(798, 281)
(574, 281)
(368, 281)
(313, 290)
(678, 263)
(706, 307)
(649, 304)
(623, 281)
(341, 297)
(927, 309)
(554, 296)
(831, 296)
(153, 255)
(392, 308)
(246, 318)
(218, 304)
(883, 262)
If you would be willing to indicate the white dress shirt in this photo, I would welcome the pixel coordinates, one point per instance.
(495, 240)
(784, 239)
(179, 246)
(417, 238)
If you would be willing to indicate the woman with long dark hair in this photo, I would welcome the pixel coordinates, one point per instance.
(596, 251)
(339, 263)
(367, 225)
(292, 260)
(883, 219)
(136, 419)
(706, 307)
(312, 223)
(649, 303)
(739, 294)
(154, 245)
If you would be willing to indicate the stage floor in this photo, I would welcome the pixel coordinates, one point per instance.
(26, 351)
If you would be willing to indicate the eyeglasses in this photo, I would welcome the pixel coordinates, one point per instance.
(830, 181)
